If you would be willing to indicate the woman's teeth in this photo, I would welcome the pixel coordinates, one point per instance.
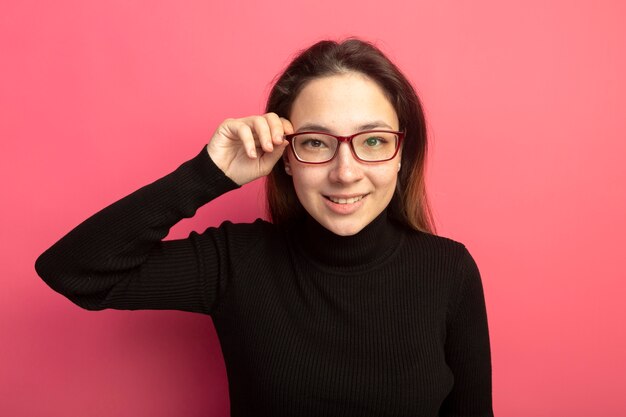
(345, 200)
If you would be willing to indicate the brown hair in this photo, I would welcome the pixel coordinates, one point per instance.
(409, 204)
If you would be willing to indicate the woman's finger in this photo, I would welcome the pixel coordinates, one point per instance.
(287, 126)
(244, 133)
(276, 128)
(263, 134)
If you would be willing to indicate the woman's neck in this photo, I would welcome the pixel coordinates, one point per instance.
(370, 245)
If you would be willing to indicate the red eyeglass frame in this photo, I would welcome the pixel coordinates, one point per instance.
(347, 139)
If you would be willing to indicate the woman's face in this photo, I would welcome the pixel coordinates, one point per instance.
(344, 195)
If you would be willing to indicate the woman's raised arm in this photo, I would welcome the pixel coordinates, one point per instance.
(117, 258)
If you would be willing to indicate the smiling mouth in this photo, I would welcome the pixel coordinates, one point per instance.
(350, 200)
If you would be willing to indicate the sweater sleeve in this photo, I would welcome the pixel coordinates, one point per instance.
(467, 348)
(117, 258)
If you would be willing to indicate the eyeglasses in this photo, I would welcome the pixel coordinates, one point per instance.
(367, 146)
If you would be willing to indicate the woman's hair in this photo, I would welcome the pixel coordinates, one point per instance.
(409, 204)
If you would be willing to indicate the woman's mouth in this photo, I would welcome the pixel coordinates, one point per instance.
(345, 204)
(345, 200)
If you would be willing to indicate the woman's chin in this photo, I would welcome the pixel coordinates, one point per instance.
(344, 227)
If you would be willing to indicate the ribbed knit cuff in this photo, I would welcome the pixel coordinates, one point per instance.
(202, 176)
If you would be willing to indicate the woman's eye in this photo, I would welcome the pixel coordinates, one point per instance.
(374, 141)
(313, 143)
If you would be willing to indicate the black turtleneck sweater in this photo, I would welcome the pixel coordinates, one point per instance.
(388, 322)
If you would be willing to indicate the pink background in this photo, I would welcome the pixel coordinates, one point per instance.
(527, 114)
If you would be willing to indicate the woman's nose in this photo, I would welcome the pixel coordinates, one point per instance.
(345, 167)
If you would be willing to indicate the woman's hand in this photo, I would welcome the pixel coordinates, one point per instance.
(248, 148)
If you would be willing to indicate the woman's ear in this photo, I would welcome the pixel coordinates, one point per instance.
(400, 158)
(287, 164)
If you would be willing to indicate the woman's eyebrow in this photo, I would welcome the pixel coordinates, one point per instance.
(321, 128)
(313, 127)
(375, 125)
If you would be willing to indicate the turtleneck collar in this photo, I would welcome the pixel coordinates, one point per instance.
(374, 243)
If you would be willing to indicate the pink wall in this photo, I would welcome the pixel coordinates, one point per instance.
(526, 107)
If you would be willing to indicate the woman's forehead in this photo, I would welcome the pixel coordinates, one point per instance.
(350, 101)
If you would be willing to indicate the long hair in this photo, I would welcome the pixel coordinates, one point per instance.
(409, 204)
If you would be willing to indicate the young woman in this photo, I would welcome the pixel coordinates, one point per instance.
(345, 304)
